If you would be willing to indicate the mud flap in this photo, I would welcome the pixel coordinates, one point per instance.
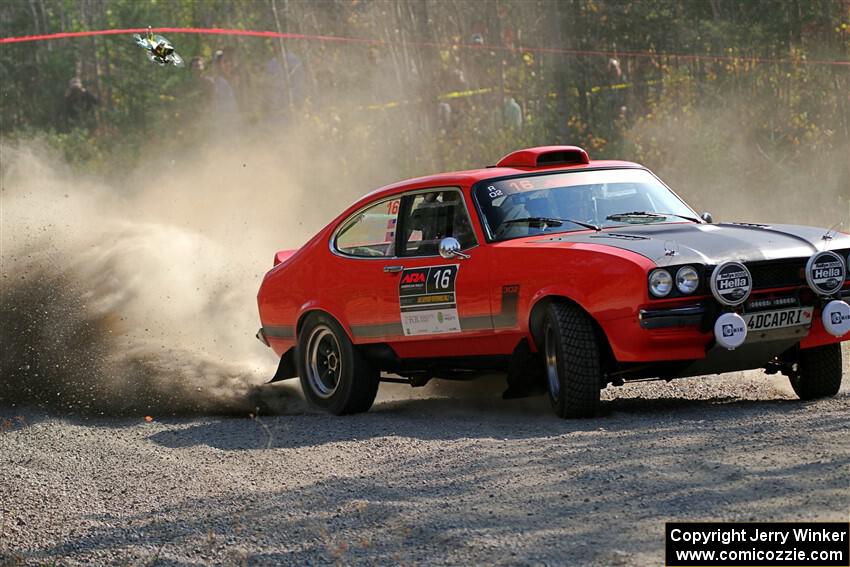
(526, 374)
(286, 368)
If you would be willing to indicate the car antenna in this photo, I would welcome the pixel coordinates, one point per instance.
(671, 249)
(829, 234)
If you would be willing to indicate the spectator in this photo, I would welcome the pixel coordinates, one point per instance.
(225, 107)
(512, 113)
(615, 96)
(195, 97)
(444, 116)
(79, 105)
(285, 84)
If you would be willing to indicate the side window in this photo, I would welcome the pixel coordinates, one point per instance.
(431, 216)
(371, 232)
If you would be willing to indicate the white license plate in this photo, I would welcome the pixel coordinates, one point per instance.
(767, 320)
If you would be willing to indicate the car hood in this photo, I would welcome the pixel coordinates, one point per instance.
(685, 243)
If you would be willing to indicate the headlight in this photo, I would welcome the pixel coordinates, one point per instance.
(660, 283)
(687, 280)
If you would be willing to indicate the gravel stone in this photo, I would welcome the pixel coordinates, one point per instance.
(445, 475)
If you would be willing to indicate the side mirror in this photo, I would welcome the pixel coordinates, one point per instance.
(706, 216)
(450, 248)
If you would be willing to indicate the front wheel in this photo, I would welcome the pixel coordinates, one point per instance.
(334, 375)
(818, 372)
(573, 361)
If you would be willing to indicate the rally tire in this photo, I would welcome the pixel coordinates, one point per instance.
(572, 355)
(818, 372)
(334, 375)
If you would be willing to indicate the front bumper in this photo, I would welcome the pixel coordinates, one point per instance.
(700, 314)
(675, 317)
(685, 332)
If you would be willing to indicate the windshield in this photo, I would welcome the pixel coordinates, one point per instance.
(581, 200)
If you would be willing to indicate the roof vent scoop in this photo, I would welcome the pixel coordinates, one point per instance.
(545, 156)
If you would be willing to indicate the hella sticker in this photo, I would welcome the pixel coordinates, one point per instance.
(731, 283)
(825, 272)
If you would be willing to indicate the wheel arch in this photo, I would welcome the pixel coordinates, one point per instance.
(537, 315)
(318, 310)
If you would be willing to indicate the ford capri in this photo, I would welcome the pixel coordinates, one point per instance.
(566, 274)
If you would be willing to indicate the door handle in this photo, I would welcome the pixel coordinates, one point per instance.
(392, 269)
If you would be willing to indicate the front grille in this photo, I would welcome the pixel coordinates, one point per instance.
(778, 273)
(772, 273)
(770, 302)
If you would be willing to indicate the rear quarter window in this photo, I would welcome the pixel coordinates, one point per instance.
(370, 233)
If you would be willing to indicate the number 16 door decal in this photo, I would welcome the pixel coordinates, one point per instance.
(427, 300)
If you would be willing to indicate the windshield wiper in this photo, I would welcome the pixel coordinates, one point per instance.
(648, 215)
(549, 221)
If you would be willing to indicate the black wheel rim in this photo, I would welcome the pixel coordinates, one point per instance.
(324, 361)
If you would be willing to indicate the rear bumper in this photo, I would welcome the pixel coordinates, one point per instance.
(278, 338)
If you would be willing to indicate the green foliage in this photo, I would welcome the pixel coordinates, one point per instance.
(383, 98)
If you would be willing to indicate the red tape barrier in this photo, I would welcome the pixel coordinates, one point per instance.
(366, 41)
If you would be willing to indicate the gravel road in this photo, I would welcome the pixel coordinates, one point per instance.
(446, 475)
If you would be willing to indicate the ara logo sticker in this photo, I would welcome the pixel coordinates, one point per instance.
(731, 283)
(413, 278)
(825, 272)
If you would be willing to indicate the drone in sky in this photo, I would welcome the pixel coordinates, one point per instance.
(159, 49)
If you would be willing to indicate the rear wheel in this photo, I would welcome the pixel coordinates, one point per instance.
(334, 375)
(818, 373)
(573, 361)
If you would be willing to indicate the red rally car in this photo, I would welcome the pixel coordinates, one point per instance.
(565, 273)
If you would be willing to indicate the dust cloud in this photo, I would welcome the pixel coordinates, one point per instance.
(137, 295)
(719, 160)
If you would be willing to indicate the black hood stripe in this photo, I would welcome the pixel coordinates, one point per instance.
(709, 244)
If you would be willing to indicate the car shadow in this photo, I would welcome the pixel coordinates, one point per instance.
(458, 420)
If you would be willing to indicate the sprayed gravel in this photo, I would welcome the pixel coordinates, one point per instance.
(451, 476)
